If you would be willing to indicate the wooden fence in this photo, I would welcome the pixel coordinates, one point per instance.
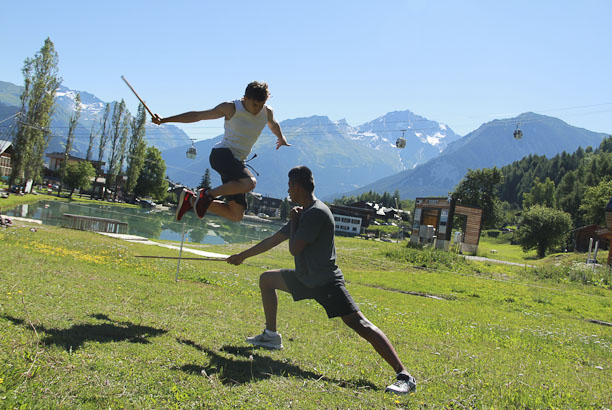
(92, 223)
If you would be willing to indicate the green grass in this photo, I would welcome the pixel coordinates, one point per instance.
(85, 324)
(501, 248)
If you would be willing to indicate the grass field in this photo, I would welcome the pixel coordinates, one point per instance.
(84, 324)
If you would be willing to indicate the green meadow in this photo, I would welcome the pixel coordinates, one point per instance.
(85, 324)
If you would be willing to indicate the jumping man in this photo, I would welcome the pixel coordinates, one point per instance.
(244, 121)
(310, 231)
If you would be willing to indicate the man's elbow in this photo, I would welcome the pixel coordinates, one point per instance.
(295, 249)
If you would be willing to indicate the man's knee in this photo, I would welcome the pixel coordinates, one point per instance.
(251, 183)
(358, 322)
(266, 280)
(272, 279)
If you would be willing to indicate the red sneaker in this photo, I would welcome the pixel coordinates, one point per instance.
(202, 203)
(184, 203)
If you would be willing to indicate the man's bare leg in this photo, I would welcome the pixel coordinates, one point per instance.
(240, 186)
(230, 210)
(366, 329)
(269, 281)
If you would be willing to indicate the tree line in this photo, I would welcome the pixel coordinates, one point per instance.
(120, 138)
(546, 197)
(385, 199)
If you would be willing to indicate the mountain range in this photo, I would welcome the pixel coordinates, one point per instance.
(345, 159)
(341, 157)
(492, 144)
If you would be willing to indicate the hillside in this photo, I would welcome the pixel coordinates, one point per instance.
(96, 327)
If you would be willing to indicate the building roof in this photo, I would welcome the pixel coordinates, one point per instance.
(60, 155)
(5, 145)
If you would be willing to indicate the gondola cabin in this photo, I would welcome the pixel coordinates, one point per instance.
(191, 152)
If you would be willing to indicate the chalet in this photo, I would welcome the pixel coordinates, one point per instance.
(260, 204)
(584, 235)
(56, 159)
(6, 155)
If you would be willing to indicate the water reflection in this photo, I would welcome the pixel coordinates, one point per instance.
(153, 224)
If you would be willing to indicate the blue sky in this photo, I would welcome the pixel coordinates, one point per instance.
(459, 63)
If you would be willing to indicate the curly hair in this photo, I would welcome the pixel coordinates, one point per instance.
(257, 91)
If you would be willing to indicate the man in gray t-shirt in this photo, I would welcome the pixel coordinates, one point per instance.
(316, 265)
(310, 231)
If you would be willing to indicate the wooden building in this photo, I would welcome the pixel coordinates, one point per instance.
(6, 155)
(433, 223)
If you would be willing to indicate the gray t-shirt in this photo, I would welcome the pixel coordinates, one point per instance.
(316, 265)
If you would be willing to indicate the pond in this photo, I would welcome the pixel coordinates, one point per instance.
(154, 224)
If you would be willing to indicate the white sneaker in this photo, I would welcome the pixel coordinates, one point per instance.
(263, 340)
(404, 385)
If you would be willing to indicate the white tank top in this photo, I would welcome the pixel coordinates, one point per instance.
(242, 131)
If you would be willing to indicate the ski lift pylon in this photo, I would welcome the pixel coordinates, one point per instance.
(518, 134)
(191, 152)
(401, 141)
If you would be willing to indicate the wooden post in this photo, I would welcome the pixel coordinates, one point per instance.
(178, 265)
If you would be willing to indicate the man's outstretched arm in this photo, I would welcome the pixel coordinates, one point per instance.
(263, 246)
(225, 109)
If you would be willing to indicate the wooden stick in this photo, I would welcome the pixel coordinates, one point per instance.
(219, 259)
(137, 96)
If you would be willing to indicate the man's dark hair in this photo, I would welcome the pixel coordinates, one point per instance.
(302, 176)
(257, 91)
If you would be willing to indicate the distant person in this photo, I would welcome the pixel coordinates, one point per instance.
(310, 231)
(244, 121)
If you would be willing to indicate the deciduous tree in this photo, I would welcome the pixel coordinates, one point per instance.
(136, 150)
(79, 175)
(543, 229)
(72, 123)
(594, 202)
(152, 177)
(37, 103)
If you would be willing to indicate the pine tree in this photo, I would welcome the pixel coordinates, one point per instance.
(37, 103)
(72, 123)
(479, 188)
(205, 182)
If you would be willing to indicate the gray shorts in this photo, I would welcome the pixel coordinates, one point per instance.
(334, 297)
(223, 161)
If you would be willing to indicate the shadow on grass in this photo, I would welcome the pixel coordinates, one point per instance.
(76, 335)
(241, 369)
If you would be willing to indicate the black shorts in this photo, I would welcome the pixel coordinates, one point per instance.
(334, 297)
(223, 161)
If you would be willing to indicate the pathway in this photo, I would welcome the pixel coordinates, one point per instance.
(145, 241)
